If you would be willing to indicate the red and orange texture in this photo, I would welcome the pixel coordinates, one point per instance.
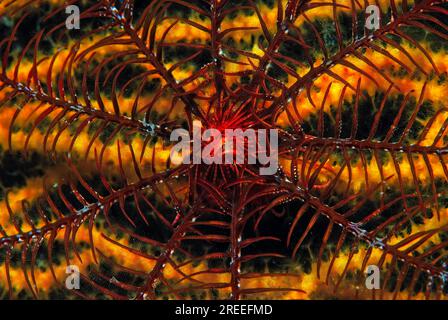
(86, 179)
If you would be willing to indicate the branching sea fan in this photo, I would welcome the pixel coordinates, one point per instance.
(88, 182)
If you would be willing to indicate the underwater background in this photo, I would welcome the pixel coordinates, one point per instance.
(87, 107)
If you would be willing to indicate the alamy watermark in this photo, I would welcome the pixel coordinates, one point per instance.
(228, 146)
(72, 21)
(373, 20)
(372, 277)
(73, 279)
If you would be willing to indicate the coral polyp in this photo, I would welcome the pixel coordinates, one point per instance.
(94, 96)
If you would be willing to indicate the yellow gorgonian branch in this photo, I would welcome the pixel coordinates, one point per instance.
(361, 142)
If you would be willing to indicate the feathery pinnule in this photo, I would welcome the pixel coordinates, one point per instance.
(86, 178)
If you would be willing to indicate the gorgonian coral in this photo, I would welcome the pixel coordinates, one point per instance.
(86, 176)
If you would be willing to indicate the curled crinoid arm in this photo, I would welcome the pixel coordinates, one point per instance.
(88, 181)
